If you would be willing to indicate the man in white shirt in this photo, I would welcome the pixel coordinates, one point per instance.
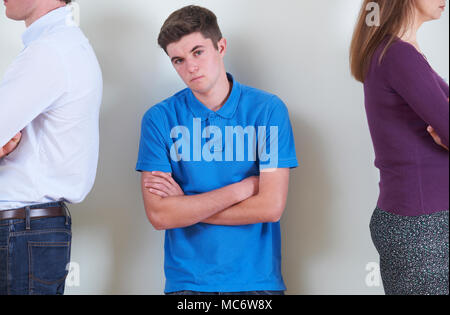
(49, 110)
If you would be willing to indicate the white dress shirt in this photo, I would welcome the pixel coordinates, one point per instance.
(52, 93)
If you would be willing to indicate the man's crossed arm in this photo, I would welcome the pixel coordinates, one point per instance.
(254, 200)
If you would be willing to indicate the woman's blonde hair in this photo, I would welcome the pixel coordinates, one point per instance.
(395, 17)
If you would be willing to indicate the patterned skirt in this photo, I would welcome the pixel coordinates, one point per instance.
(414, 252)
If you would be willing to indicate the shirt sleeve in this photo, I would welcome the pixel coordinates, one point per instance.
(35, 80)
(153, 151)
(444, 86)
(277, 146)
(410, 75)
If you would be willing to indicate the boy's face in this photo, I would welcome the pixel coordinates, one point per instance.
(197, 61)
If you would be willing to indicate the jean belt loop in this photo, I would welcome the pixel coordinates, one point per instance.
(27, 218)
(66, 212)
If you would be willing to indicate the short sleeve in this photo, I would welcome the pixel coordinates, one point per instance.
(410, 75)
(277, 146)
(153, 151)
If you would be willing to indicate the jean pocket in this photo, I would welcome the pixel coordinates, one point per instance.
(48, 267)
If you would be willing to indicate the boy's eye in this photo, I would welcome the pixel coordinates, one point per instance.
(198, 52)
(178, 61)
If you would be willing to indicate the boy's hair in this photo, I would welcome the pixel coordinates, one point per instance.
(67, 1)
(188, 20)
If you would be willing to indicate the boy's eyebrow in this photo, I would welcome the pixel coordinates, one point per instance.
(193, 49)
(196, 47)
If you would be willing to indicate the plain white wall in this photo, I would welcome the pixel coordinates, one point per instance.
(297, 49)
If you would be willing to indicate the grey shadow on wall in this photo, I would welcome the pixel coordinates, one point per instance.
(117, 42)
(305, 223)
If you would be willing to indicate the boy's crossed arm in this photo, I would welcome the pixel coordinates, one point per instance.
(253, 200)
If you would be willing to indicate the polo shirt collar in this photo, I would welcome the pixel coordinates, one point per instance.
(35, 30)
(228, 109)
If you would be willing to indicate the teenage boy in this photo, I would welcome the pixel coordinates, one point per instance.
(215, 161)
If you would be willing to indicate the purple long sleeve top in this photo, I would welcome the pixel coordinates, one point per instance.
(403, 96)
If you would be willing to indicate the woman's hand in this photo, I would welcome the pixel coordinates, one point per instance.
(435, 136)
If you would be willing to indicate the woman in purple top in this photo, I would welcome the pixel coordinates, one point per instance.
(408, 113)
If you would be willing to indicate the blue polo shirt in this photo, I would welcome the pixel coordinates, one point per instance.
(206, 150)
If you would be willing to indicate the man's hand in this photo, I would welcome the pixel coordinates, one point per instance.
(11, 145)
(163, 185)
(435, 136)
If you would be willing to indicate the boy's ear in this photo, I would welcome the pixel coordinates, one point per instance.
(222, 46)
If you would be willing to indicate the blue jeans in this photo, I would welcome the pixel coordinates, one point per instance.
(227, 293)
(34, 261)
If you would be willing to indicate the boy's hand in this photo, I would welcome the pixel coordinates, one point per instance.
(163, 185)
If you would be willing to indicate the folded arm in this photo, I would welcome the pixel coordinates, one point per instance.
(177, 210)
(264, 200)
(266, 206)
(413, 79)
(31, 84)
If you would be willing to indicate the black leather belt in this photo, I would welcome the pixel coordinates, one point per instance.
(21, 214)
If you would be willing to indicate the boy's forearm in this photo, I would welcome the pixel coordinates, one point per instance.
(267, 206)
(254, 210)
(183, 211)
